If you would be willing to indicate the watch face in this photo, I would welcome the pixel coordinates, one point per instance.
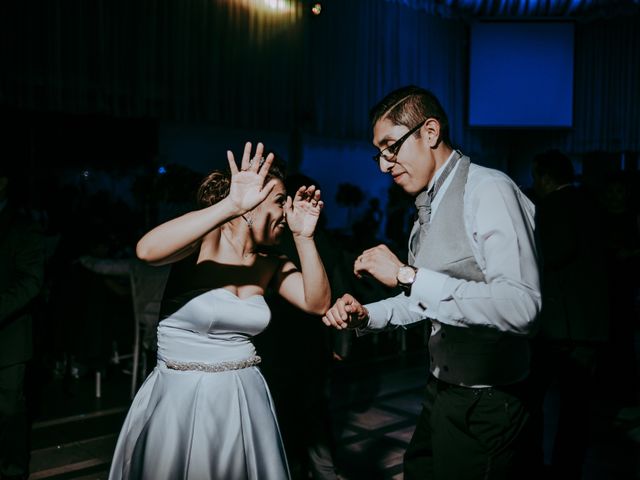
(406, 275)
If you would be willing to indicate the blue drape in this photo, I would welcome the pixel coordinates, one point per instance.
(229, 63)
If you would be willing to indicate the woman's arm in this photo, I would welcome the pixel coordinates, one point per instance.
(307, 288)
(179, 237)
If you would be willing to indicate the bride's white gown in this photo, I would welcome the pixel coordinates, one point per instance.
(186, 423)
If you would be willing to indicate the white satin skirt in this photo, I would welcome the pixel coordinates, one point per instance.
(201, 426)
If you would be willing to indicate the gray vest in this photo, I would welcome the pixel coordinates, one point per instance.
(468, 356)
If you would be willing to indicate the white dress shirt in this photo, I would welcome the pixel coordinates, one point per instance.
(498, 220)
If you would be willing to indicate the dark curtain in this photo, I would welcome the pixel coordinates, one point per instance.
(607, 86)
(581, 9)
(240, 64)
(367, 48)
(217, 60)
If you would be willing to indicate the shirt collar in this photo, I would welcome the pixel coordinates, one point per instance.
(422, 197)
(439, 171)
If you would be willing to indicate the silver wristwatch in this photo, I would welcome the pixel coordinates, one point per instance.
(406, 276)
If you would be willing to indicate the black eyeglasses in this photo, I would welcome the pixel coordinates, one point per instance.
(392, 150)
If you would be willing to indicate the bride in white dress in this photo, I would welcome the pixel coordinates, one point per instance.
(205, 411)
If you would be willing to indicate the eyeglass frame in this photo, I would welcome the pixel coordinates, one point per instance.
(395, 147)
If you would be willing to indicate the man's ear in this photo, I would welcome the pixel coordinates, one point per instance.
(431, 132)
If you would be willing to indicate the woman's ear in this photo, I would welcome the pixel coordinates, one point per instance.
(431, 131)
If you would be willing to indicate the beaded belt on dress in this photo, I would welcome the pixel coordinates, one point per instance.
(214, 367)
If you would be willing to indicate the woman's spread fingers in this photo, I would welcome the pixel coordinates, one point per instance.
(257, 158)
(246, 156)
(232, 162)
(264, 169)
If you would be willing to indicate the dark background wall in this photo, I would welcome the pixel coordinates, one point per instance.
(111, 89)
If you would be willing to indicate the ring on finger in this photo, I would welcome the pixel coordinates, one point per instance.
(260, 161)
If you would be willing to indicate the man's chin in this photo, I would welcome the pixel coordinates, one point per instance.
(411, 189)
(405, 183)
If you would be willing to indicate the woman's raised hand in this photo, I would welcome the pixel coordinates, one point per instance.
(303, 211)
(247, 188)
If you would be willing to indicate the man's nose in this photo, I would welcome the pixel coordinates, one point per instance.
(385, 165)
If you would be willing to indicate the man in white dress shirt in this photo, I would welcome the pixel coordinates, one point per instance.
(472, 274)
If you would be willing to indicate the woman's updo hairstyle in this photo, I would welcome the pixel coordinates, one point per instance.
(215, 186)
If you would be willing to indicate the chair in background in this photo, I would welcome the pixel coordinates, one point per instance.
(147, 287)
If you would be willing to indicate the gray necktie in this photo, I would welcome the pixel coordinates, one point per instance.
(423, 203)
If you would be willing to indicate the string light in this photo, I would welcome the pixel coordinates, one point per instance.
(317, 8)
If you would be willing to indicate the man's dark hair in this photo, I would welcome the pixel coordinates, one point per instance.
(409, 106)
(556, 165)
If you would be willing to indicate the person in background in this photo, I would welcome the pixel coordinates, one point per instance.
(22, 262)
(574, 321)
(298, 373)
(621, 240)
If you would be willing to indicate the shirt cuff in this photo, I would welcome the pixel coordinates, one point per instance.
(427, 291)
(378, 318)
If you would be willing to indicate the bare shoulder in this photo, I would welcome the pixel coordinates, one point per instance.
(271, 261)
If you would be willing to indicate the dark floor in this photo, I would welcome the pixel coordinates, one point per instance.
(74, 432)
